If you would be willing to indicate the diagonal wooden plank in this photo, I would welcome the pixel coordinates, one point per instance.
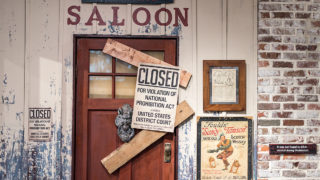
(135, 57)
(141, 141)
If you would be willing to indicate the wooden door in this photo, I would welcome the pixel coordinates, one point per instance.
(103, 84)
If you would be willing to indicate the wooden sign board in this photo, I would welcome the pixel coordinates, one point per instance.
(141, 141)
(292, 149)
(135, 57)
(129, 1)
(224, 148)
(156, 96)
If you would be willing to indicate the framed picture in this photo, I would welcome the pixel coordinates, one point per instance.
(224, 148)
(224, 85)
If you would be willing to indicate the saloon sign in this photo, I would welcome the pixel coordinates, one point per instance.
(175, 17)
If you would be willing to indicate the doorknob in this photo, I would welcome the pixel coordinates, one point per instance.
(167, 152)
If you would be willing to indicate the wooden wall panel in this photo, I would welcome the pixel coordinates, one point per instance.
(12, 36)
(43, 85)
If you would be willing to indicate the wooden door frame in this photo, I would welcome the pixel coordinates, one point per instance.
(76, 37)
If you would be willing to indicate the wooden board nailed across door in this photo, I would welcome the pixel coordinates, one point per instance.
(103, 84)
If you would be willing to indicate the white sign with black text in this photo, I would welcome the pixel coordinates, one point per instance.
(39, 124)
(156, 96)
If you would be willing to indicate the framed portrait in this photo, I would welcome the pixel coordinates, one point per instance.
(224, 85)
(224, 148)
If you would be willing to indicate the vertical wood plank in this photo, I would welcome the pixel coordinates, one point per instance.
(43, 85)
(12, 37)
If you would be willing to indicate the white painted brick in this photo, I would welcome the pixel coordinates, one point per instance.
(307, 114)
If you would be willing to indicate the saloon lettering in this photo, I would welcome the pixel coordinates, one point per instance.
(176, 16)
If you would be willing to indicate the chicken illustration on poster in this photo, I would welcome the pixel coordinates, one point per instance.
(224, 149)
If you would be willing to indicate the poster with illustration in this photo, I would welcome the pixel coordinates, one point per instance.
(224, 148)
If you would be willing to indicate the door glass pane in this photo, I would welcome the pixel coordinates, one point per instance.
(100, 62)
(123, 67)
(156, 54)
(100, 87)
(125, 87)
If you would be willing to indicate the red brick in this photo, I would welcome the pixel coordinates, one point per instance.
(281, 15)
(264, 15)
(294, 56)
(263, 97)
(263, 148)
(282, 64)
(263, 82)
(282, 165)
(268, 106)
(293, 7)
(282, 90)
(293, 122)
(268, 139)
(303, 15)
(293, 106)
(263, 63)
(314, 7)
(307, 64)
(283, 114)
(308, 90)
(263, 165)
(308, 165)
(282, 82)
(307, 98)
(270, 7)
(294, 157)
(295, 39)
(263, 131)
(295, 90)
(283, 31)
(262, 114)
(313, 122)
(270, 39)
(314, 73)
(293, 173)
(263, 31)
(270, 55)
(295, 23)
(267, 157)
(297, 73)
(270, 23)
(292, 139)
(278, 131)
(282, 47)
(313, 56)
(303, 82)
(309, 131)
(306, 47)
(313, 106)
(315, 23)
(283, 98)
(313, 139)
(268, 122)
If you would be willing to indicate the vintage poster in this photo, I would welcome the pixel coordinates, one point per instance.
(39, 124)
(224, 148)
(156, 97)
(223, 85)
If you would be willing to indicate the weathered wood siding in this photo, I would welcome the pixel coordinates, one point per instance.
(36, 70)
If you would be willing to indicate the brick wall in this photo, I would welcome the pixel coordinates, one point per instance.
(288, 86)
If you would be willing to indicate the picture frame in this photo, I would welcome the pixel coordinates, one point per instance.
(224, 148)
(224, 85)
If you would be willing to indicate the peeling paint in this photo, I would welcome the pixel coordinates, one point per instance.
(9, 98)
(114, 29)
(19, 116)
(176, 30)
(5, 80)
